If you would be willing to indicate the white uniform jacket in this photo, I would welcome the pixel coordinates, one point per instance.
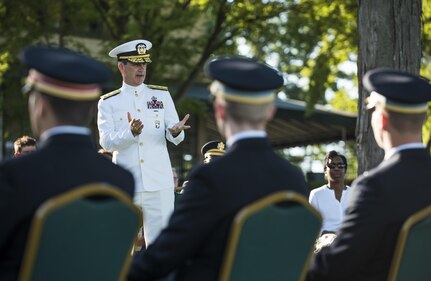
(146, 155)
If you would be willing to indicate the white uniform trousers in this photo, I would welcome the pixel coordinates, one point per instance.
(157, 207)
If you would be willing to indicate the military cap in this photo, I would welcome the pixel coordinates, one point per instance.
(397, 90)
(243, 80)
(212, 149)
(135, 51)
(63, 73)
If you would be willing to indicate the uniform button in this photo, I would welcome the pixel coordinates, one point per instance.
(141, 144)
(139, 110)
(142, 160)
(121, 119)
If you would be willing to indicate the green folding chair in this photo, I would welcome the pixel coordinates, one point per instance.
(84, 234)
(272, 240)
(412, 256)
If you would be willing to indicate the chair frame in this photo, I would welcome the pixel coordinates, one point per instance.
(249, 210)
(51, 205)
(402, 238)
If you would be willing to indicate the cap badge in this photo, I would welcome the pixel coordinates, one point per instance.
(141, 48)
(220, 146)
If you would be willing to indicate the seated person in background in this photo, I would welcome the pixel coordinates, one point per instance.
(24, 145)
(191, 247)
(331, 199)
(62, 88)
(384, 197)
(210, 151)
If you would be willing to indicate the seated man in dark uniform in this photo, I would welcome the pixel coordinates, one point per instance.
(191, 247)
(62, 88)
(384, 197)
(212, 150)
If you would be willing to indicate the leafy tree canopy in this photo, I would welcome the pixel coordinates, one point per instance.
(307, 40)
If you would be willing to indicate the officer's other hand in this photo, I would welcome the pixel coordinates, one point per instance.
(180, 126)
(136, 125)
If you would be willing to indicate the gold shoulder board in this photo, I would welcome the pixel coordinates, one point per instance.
(156, 87)
(110, 94)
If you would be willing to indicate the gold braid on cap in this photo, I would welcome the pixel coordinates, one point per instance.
(218, 89)
(70, 91)
(137, 58)
(219, 151)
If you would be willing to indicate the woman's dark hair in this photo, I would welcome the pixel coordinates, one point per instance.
(332, 154)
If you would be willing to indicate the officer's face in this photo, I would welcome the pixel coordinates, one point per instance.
(133, 74)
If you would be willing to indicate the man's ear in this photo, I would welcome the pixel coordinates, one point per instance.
(271, 112)
(120, 67)
(384, 120)
(219, 111)
(43, 106)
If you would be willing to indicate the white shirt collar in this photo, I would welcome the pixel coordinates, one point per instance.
(413, 145)
(245, 135)
(128, 88)
(65, 130)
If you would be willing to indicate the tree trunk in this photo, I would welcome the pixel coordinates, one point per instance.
(389, 36)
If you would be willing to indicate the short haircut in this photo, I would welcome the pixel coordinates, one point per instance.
(410, 123)
(22, 142)
(71, 112)
(331, 155)
(248, 113)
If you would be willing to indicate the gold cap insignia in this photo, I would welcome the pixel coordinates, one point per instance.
(141, 49)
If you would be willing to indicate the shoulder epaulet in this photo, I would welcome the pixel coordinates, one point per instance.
(110, 94)
(156, 87)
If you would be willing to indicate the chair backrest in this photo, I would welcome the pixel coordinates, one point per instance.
(412, 254)
(271, 239)
(84, 234)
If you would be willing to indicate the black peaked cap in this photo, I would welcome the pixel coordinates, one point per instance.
(244, 74)
(398, 86)
(65, 65)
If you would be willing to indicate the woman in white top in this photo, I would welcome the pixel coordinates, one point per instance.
(331, 199)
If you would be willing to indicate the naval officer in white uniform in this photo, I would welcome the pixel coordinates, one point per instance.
(134, 123)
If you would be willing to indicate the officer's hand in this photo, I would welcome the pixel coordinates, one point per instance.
(177, 128)
(136, 125)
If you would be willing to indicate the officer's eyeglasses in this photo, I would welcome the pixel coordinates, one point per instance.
(338, 165)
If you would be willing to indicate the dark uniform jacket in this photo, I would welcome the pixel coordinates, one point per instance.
(381, 200)
(61, 163)
(194, 241)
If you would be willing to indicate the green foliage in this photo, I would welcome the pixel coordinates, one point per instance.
(426, 32)
(4, 65)
(311, 39)
(342, 101)
(426, 61)
(305, 39)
